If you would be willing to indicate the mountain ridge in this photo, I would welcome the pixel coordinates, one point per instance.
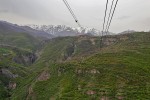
(9, 27)
(63, 30)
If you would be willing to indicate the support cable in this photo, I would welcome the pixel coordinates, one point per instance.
(72, 13)
(101, 39)
(112, 16)
(109, 16)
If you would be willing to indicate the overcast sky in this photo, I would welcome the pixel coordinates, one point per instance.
(130, 14)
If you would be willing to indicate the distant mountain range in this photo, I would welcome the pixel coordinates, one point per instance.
(21, 36)
(6, 27)
(62, 30)
(51, 31)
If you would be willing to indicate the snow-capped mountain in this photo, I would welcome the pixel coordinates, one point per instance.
(62, 30)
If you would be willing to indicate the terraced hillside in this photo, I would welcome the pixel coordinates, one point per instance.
(74, 68)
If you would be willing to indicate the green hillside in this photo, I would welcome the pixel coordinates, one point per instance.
(74, 68)
(64, 48)
(17, 53)
(13, 65)
(21, 40)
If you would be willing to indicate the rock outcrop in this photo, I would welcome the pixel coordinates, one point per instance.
(89, 71)
(45, 75)
(90, 92)
(7, 73)
(27, 59)
(12, 85)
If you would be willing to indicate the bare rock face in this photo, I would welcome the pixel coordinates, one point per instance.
(94, 71)
(120, 97)
(109, 40)
(69, 51)
(31, 95)
(93, 41)
(8, 73)
(30, 90)
(89, 71)
(60, 71)
(0, 71)
(124, 38)
(90, 92)
(79, 71)
(104, 98)
(25, 59)
(12, 85)
(79, 87)
(45, 75)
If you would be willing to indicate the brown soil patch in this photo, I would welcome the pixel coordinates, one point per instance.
(45, 75)
(104, 98)
(31, 94)
(12, 85)
(120, 97)
(90, 92)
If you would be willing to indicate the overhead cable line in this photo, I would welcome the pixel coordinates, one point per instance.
(105, 17)
(109, 16)
(101, 38)
(112, 16)
(72, 13)
(68, 6)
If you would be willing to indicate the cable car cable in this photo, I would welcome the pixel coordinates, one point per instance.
(72, 13)
(109, 16)
(101, 37)
(112, 16)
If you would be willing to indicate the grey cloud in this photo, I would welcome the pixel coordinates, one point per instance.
(123, 17)
(89, 12)
(3, 11)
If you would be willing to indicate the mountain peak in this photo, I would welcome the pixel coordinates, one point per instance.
(62, 30)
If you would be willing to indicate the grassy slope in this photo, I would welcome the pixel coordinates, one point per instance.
(22, 40)
(57, 49)
(15, 45)
(6, 62)
(120, 71)
(53, 52)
